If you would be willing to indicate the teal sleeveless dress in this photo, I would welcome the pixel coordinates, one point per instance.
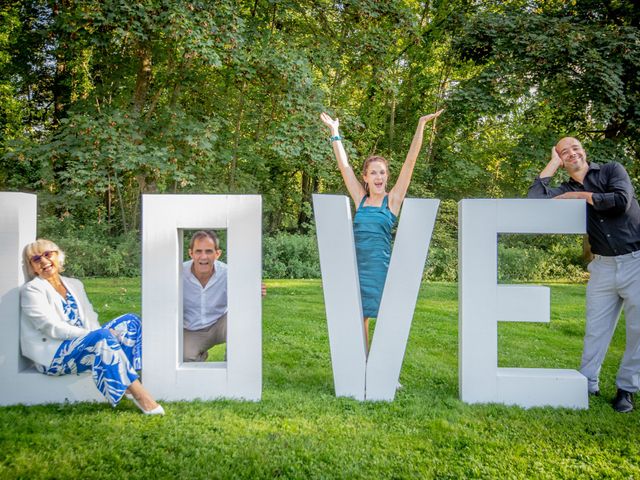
(372, 232)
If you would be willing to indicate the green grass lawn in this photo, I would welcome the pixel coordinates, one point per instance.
(301, 430)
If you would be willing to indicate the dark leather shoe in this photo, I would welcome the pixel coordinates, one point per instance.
(623, 402)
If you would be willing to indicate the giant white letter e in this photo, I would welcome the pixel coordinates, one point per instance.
(482, 303)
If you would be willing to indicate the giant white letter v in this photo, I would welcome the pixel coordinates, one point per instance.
(355, 375)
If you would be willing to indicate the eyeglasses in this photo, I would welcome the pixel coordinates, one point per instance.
(48, 254)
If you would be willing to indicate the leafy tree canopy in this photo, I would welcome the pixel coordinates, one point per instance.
(101, 101)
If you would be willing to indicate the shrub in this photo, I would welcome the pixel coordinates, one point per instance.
(286, 255)
(541, 257)
(92, 252)
(100, 258)
(442, 264)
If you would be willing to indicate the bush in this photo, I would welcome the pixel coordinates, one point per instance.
(442, 258)
(442, 264)
(535, 264)
(541, 257)
(91, 252)
(119, 257)
(286, 255)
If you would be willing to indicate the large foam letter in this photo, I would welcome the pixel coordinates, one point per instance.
(354, 375)
(164, 373)
(482, 303)
(21, 383)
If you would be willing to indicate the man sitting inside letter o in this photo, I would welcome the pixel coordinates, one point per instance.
(613, 227)
(204, 302)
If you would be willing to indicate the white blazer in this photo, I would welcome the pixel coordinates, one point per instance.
(43, 324)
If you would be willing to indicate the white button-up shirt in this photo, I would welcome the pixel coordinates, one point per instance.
(203, 306)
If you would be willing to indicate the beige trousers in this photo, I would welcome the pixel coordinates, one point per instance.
(198, 342)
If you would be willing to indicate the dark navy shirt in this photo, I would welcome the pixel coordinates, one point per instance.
(613, 221)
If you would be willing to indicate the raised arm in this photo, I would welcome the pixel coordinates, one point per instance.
(554, 164)
(540, 187)
(354, 187)
(399, 190)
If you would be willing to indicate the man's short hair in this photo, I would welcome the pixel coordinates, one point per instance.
(205, 234)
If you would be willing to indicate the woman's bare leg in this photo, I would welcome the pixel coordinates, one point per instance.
(366, 336)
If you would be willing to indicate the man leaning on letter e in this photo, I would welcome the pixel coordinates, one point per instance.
(613, 227)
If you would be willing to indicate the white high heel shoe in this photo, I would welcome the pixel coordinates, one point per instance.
(154, 411)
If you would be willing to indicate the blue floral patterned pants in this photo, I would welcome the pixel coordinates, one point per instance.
(113, 353)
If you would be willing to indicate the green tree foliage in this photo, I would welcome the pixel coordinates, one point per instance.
(21, 87)
(104, 100)
(548, 69)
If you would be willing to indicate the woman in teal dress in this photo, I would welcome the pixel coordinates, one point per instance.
(376, 212)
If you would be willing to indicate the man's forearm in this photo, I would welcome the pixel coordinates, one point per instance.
(540, 189)
(588, 196)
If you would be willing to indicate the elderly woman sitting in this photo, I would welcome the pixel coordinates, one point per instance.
(59, 331)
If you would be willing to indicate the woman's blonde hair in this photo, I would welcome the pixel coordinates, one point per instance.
(38, 247)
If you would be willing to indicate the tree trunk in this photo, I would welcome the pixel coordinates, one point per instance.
(392, 122)
(236, 139)
(109, 201)
(61, 88)
(307, 190)
(121, 202)
(143, 79)
(444, 81)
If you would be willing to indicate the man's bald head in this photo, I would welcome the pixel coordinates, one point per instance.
(573, 156)
(567, 142)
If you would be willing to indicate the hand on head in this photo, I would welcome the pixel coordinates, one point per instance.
(556, 157)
